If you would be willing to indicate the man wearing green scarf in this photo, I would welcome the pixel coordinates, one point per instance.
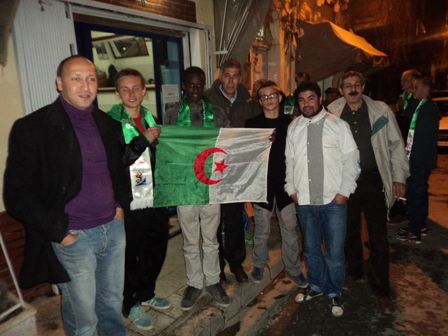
(146, 227)
(199, 221)
(421, 149)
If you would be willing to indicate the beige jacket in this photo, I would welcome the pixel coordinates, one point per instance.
(387, 143)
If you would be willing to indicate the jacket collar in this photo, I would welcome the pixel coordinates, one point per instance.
(316, 118)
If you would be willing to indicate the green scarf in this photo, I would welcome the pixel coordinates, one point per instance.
(184, 118)
(406, 98)
(417, 112)
(410, 138)
(130, 130)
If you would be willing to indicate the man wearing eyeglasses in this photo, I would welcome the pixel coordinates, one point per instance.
(384, 169)
(228, 94)
(278, 200)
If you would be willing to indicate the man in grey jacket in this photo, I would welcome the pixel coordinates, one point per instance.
(384, 169)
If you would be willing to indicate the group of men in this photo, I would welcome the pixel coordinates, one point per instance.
(70, 170)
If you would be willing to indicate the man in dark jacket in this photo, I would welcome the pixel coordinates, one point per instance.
(269, 96)
(228, 94)
(421, 147)
(66, 181)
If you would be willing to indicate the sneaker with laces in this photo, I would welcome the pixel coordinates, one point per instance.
(300, 280)
(190, 297)
(408, 236)
(403, 231)
(336, 307)
(257, 274)
(157, 303)
(307, 294)
(141, 318)
(411, 238)
(219, 295)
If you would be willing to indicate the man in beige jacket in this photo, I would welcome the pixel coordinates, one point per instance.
(384, 169)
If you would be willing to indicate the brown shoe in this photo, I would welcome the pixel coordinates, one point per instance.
(239, 273)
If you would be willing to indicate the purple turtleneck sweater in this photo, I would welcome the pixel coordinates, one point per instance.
(95, 204)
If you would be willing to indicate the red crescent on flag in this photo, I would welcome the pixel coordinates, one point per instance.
(199, 164)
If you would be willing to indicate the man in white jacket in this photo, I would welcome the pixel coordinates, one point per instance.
(384, 169)
(321, 172)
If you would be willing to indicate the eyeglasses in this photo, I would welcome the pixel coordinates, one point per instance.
(355, 86)
(264, 98)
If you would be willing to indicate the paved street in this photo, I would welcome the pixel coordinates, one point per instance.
(419, 278)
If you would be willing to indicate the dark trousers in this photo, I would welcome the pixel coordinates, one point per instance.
(368, 198)
(418, 199)
(146, 244)
(233, 247)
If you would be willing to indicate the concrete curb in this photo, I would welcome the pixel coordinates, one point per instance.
(207, 320)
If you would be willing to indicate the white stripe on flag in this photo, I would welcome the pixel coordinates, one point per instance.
(247, 155)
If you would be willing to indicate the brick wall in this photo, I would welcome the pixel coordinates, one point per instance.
(14, 237)
(178, 9)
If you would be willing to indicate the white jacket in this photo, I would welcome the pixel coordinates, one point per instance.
(387, 143)
(340, 158)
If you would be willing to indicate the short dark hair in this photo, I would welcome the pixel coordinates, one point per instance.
(304, 74)
(62, 64)
(231, 63)
(128, 72)
(331, 89)
(268, 83)
(193, 70)
(307, 86)
(426, 81)
(351, 73)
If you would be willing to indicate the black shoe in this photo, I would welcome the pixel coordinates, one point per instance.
(351, 281)
(239, 273)
(336, 307)
(257, 274)
(219, 295)
(191, 295)
(307, 294)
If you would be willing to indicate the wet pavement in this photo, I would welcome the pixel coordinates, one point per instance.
(419, 305)
(419, 281)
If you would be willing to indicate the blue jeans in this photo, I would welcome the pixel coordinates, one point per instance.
(324, 223)
(95, 263)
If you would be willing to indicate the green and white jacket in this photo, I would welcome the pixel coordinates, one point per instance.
(387, 143)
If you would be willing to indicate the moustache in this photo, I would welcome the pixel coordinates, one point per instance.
(353, 93)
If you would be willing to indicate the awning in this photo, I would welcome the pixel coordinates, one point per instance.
(237, 23)
(326, 49)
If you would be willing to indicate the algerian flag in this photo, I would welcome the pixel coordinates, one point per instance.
(211, 165)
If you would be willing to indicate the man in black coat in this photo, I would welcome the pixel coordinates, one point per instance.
(269, 97)
(66, 181)
(231, 99)
(421, 147)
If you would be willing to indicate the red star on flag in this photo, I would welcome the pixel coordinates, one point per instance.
(220, 167)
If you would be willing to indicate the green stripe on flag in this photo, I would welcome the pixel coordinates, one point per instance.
(177, 150)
